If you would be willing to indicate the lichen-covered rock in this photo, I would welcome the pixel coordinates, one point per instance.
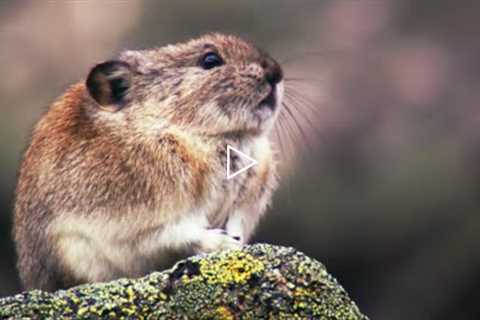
(257, 282)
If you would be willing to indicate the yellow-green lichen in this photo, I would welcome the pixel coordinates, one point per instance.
(223, 313)
(231, 267)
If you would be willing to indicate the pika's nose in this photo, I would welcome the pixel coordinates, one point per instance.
(273, 71)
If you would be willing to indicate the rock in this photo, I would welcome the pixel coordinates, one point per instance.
(260, 281)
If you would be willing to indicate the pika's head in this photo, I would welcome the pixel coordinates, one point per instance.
(216, 85)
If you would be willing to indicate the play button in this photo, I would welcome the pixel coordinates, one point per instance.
(232, 153)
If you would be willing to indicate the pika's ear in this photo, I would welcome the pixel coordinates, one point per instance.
(108, 83)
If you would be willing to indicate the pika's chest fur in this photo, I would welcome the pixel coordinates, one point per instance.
(230, 194)
(206, 159)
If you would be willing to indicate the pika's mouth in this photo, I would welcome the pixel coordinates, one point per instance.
(270, 101)
(267, 107)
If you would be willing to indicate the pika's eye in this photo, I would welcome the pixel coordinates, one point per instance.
(210, 60)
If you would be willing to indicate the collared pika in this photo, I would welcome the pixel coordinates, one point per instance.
(128, 168)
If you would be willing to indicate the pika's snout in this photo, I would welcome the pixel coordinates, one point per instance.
(273, 71)
(273, 74)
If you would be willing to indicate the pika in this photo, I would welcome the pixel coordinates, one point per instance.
(127, 168)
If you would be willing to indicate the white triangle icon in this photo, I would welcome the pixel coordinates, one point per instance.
(251, 163)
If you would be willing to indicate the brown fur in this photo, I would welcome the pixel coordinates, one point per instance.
(133, 172)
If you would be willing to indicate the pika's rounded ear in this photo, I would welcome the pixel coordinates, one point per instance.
(108, 83)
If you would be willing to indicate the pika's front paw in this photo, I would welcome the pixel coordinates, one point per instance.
(216, 240)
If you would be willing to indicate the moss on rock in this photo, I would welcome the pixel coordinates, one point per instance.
(257, 282)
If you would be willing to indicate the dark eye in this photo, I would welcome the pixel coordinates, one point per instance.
(210, 60)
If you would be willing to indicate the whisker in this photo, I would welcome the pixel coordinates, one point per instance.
(291, 134)
(318, 133)
(294, 92)
(304, 116)
(313, 114)
(301, 101)
(297, 79)
(298, 107)
(281, 144)
(299, 127)
(289, 138)
(293, 118)
(279, 138)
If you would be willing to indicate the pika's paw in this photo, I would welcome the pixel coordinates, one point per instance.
(216, 240)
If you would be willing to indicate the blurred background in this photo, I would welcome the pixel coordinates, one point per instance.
(384, 188)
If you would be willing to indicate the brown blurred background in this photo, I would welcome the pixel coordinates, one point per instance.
(385, 190)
